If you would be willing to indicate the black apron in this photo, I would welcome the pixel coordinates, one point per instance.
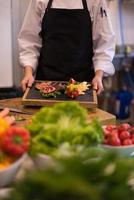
(67, 45)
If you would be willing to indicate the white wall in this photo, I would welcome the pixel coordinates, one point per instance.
(11, 16)
(19, 8)
(6, 79)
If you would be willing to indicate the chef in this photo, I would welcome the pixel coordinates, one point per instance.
(63, 39)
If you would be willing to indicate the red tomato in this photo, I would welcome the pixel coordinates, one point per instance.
(114, 133)
(132, 130)
(124, 127)
(110, 127)
(124, 135)
(73, 93)
(127, 142)
(132, 140)
(72, 81)
(115, 141)
(106, 132)
(132, 136)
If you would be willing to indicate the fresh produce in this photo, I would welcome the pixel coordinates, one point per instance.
(72, 90)
(16, 141)
(63, 123)
(5, 160)
(75, 89)
(3, 127)
(119, 135)
(103, 177)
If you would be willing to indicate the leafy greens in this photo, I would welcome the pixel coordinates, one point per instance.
(63, 123)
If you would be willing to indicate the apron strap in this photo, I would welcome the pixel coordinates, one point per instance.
(85, 4)
(49, 4)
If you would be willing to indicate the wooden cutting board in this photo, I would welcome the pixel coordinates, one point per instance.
(33, 97)
(104, 117)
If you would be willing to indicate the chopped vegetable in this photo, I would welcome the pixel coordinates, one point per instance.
(50, 94)
(3, 127)
(75, 89)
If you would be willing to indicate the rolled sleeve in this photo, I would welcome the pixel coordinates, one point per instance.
(103, 39)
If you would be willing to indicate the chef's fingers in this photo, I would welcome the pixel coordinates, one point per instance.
(27, 82)
(97, 85)
(30, 82)
(94, 84)
(24, 84)
(4, 112)
(100, 89)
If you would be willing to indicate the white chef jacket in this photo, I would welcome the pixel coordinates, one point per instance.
(103, 36)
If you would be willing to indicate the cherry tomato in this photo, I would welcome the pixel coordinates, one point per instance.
(127, 142)
(72, 81)
(114, 133)
(132, 136)
(110, 127)
(124, 135)
(115, 140)
(106, 132)
(124, 127)
(132, 140)
(132, 130)
(74, 93)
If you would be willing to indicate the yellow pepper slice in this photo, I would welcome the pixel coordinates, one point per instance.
(3, 127)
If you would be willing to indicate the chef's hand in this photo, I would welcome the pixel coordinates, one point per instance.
(28, 78)
(4, 114)
(97, 81)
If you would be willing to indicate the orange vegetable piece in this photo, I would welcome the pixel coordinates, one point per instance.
(6, 162)
(3, 127)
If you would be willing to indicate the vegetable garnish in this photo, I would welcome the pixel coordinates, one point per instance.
(51, 94)
(75, 89)
(55, 88)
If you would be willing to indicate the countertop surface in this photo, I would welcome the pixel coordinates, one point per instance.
(22, 119)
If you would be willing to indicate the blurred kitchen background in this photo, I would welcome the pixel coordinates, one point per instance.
(119, 89)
